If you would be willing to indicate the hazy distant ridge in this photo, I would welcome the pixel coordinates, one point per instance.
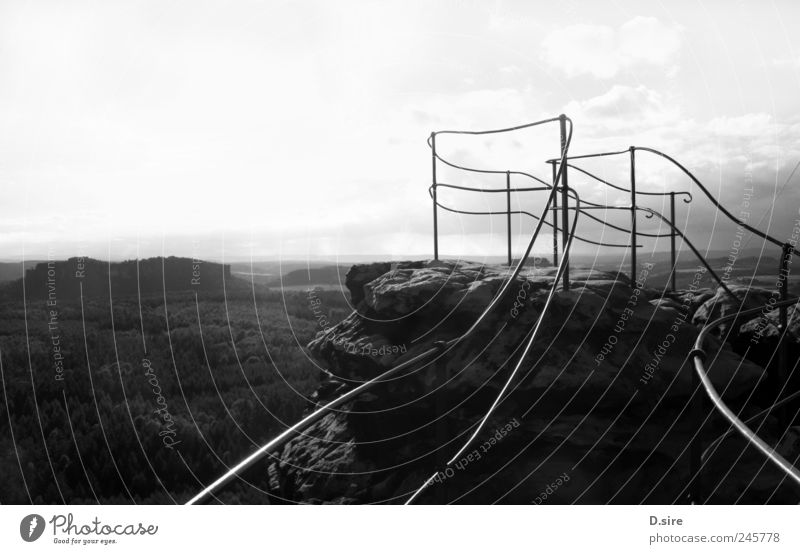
(64, 279)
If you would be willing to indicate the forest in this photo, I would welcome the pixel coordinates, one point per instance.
(145, 397)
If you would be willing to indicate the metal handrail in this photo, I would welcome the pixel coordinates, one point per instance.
(473, 189)
(594, 155)
(432, 138)
(688, 173)
(618, 228)
(634, 194)
(523, 212)
(787, 250)
(319, 413)
(533, 335)
(700, 257)
(585, 211)
(642, 192)
(649, 214)
(504, 129)
(710, 196)
(490, 171)
(762, 413)
(559, 176)
(698, 355)
(313, 417)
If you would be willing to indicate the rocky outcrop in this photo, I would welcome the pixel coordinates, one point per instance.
(722, 304)
(599, 402)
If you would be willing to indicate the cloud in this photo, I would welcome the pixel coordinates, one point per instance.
(724, 152)
(603, 52)
(625, 115)
(624, 107)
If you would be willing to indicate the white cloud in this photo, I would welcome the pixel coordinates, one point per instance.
(624, 107)
(744, 126)
(603, 52)
(722, 151)
(581, 48)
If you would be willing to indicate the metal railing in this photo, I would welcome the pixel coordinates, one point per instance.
(787, 248)
(633, 207)
(700, 377)
(568, 235)
(513, 375)
(436, 158)
(440, 346)
(560, 177)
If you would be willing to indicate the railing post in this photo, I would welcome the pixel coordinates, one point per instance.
(696, 444)
(435, 214)
(633, 217)
(555, 218)
(442, 435)
(672, 238)
(783, 327)
(508, 212)
(564, 198)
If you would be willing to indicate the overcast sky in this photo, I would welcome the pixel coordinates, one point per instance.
(298, 128)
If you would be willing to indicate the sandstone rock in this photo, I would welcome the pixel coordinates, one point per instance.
(765, 327)
(601, 395)
(722, 304)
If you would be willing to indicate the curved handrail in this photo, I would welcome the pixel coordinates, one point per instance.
(585, 212)
(506, 129)
(313, 417)
(319, 413)
(650, 213)
(489, 171)
(618, 228)
(642, 192)
(595, 155)
(764, 412)
(540, 222)
(689, 174)
(590, 204)
(711, 197)
(523, 212)
(698, 355)
(489, 132)
(473, 189)
(700, 257)
(484, 420)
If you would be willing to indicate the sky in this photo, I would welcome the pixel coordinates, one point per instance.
(231, 130)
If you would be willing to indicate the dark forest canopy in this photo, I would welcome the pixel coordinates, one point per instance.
(135, 397)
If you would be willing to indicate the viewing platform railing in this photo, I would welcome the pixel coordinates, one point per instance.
(560, 185)
(440, 348)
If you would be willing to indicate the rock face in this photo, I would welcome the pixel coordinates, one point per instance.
(755, 336)
(597, 410)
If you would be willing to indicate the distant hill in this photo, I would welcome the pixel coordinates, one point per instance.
(328, 275)
(11, 271)
(64, 279)
(276, 267)
(269, 272)
(293, 274)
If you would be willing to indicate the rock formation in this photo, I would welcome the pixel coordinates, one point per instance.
(598, 411)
